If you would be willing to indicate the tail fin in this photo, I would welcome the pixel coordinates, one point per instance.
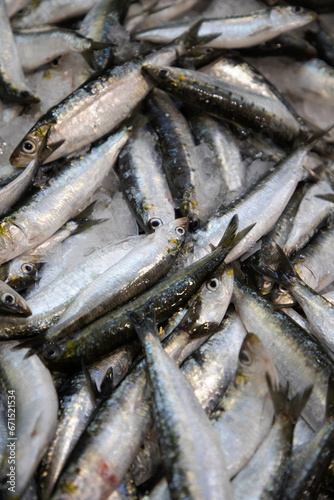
(231, 237)
(283, 271)
(290, 408)
(144, 325)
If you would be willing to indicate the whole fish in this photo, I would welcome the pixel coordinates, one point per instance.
(129, 411)
(263, 203)
(228, 102)
(237, 32)
(194, 462)
(77, 405)
(177, 145)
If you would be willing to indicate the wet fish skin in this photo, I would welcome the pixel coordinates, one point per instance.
(12, 83)
(263, 203)
(143, 181)
(318, 310)
(265, 475)
(51, 301)
(100, 24)
(226, 101)
(49, 12)
(36, 411)
(39, 46)
(309, 462)
(195, 464)
(247, 409)
(178, 160)
(129, 413)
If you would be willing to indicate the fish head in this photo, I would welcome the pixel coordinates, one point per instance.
(30, 147)
(255, 363)
(22, 272)
(293, 16)
(12, 302)
(176, 231)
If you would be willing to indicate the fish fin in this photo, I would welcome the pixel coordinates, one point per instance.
(91, 385)
(283, 272)
(107, 384)
(283, 406)
(144, 325)
(330, 396)
(33, 344)
(306, 140)
(326, 197)
(89, 54)
(231, 237)
(191, 38)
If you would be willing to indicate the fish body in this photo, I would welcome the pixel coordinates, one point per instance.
(193, 459)
(237, 32)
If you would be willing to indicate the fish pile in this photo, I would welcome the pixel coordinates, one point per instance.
(166, 250)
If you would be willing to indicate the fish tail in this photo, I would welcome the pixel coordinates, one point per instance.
(145, 325)
(282, 271)
(35, 345)
(291, 408)
(89, 54)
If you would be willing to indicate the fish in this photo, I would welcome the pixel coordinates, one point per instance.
(194, 462)
(245, 413)
(77, 120)
(33, 404)
(239, 31)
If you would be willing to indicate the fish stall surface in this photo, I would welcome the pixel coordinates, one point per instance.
(166, 250)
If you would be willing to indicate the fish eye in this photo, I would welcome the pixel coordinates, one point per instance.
(8, 298)
(52, 353)
(297, 9)
(154, 223)
(194, 223)
(212, 284)
(28, 268)
(245, 358)
(163, 73)
(55, 62)
(180, 230)
(28, 147)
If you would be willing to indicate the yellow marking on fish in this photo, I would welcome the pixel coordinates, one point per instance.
(68, 487)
